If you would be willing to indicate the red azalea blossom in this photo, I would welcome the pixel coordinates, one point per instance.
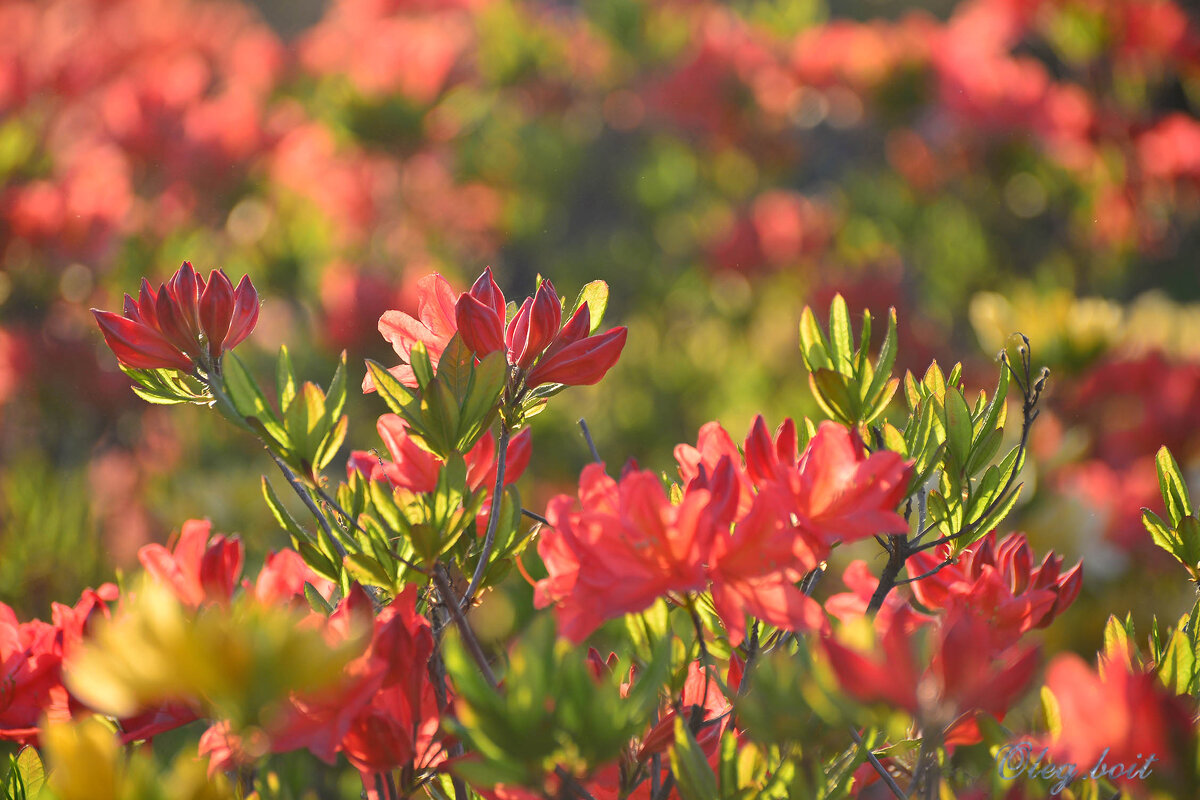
(186, 323)
(970, 671)
(415, 469)
(1119, 712)
(434, 326)
(533, 340)
(198, 570)
(998, 583)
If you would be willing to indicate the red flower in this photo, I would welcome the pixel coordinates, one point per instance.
(184, 324)
(626, 546)
(416, 469)
(197, 570)
(434, 326)
(30, 668)
(533, 341)
(1118, 713)
(998, 583)
(755, 570)
(836, 491)
(282, 579)
(969, 671)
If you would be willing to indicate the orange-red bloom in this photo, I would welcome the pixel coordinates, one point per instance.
(998, 583)
(1119, 713)
(197, 570)
(434, 326)
(187, 322)
(533, 340)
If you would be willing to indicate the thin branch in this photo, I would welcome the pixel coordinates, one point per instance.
(489, 541)
(569, 781)
(351, 521)
(452, 604)
(880, 768)
(588, 436)
(931, 572)
(536, 517)
(308, 501)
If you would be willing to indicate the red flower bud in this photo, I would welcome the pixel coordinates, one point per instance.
(216, 311)
(245, 313)
(137, 345)
(163, 329)
(481, 329)
(581, 363)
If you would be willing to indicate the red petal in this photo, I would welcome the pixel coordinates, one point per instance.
(245, 313)
(480, 327)
(487, 292)
(138, 346)
(216, 311)
(582, 363)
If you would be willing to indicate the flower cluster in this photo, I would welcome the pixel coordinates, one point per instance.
(626, 543)
(186, 324)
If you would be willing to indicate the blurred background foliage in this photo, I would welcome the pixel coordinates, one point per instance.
(984, 166)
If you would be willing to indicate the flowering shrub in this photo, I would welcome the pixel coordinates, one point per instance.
(728, 675)
(981, 166)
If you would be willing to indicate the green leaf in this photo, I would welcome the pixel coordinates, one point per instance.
(421, 365)
(834, 396)
(456, 366)
(319, 562)
(692, 773)
(885, 362)
(958, 427)
(281, 514)
(595, 294)
(367, 571)
(315, 601)
(398, 397)
(483, 400)
(31, 771)
(1051, 711)
(991, 520)
(249, 401)
(1174, 490)
(331, 443)
(285, 379)
(862, 364)
(841, 338)
(335, 398)
(1177, 670)
(814, 348)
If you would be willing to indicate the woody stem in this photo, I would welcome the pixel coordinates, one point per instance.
(489, 541)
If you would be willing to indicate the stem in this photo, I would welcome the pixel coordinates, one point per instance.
(569, 782)
(536, 517)
(588, 436)
(452, 604)
(898, 554)
(308, 501)
(336, 507)
(489, 541)
(882, 770)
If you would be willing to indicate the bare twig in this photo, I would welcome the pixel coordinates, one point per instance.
(588, 436)
(489, 540)
(930, 573)
(536, 517)
(308, 501)
(879, 767)
(452, 604)
(351, 521)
